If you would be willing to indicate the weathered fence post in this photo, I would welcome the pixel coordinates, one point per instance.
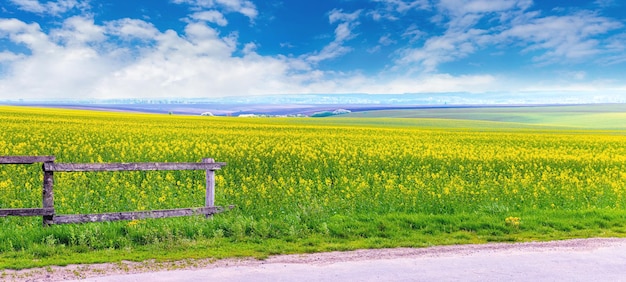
(49, 167)
(210, 186)
(48, 195)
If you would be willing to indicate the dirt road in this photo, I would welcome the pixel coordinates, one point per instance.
(570, 260)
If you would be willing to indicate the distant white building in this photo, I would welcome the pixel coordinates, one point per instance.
(207, 114)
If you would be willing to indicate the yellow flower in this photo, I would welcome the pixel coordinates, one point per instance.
(512, 221)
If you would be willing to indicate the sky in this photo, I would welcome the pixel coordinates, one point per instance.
(157, 49)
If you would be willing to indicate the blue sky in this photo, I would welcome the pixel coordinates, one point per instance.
(68, 49)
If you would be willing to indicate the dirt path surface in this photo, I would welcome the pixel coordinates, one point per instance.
(600, 259)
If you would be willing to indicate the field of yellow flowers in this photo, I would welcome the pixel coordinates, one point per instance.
(306, 184)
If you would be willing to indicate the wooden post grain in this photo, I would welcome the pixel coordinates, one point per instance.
(210, 185)
(48, 196)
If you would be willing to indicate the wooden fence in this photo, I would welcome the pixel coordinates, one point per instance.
(50, 167)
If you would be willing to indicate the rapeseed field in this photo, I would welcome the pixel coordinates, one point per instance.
(303, 185)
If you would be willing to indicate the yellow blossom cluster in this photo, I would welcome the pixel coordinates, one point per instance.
(512, 221)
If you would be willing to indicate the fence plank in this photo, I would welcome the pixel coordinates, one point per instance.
(26, 212)
(25, 159)
(210, 184)
(69, 167)
(48, 196)
(209, 200)
(79, 218)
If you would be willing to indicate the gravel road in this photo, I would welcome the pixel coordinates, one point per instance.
(598, 259)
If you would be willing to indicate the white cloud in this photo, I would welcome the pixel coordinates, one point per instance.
(462, 36)
(197, 63)
(564, 38)
(244, 7)
(386, 40)
(333, 50)
(50, 7)
(570, 37)
(6, 56)
(442, 49)
(126, 58)
(29, 35)
(616, 50)
(57, 66)
(339, 16)
(79, 31)
(393, 9)
(464, 7)
(413, 33)
(128, 29)
(605, 3)
(211, 16)
(249, 48)
(343, 33)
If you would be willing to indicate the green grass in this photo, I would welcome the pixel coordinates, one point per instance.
(341, 233)
(601, 116)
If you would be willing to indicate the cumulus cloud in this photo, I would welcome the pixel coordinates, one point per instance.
(129, 29)
(79, 31)
(6, 56)
(29, 35)
(57, 66)
(82, 59)
(212, 16)
(50, 7)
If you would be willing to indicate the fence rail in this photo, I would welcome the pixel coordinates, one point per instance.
(26, 212)
(25, 159)
(67, 167)
(49, 167)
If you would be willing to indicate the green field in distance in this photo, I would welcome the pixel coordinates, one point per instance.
(591, 116)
